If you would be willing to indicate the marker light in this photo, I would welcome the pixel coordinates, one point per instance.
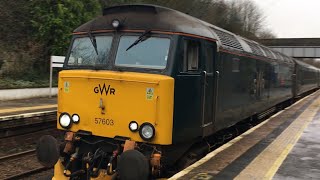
(75, 118)
(147, 131)
(115, 23)
(65, 120)
(133, 126)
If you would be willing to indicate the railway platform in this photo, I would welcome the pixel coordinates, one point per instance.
(27, 115)
(285, 146)
(22, 123)
(23, 106)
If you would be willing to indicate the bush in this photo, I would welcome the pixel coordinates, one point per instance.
(9, 83)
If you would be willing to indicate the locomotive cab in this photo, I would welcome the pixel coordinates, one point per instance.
(117, 84)
(117, 102)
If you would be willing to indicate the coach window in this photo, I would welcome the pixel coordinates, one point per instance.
(235, 65)
(191, 56)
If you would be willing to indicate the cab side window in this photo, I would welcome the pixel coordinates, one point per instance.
(191, 56)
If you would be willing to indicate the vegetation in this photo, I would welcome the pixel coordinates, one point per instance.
(9, 83)
(34, 30)
(242, 17)
(54, 20)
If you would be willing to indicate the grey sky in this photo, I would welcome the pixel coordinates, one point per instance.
(292, 18)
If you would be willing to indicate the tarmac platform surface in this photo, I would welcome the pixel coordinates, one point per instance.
(27, 106)
(285, 146)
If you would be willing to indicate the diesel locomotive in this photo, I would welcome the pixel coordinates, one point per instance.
(144, 85)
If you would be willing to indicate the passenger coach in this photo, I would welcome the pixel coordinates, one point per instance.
(145, 87)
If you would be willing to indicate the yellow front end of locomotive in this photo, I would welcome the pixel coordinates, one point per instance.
(107, 101)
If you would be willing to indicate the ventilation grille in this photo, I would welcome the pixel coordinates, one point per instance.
(268, 52)
(278, 56)
(287, 58)
(255, 48)
(228, 40)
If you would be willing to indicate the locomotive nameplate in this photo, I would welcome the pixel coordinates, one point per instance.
(103, 89)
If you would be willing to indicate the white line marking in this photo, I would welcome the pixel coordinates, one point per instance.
(227, 145)
(26, 115)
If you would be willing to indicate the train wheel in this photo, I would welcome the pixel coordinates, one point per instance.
(133, 165)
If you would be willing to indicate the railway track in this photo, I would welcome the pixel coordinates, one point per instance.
(21, 143)
(21, 171)
(18, 155)
(15, 125)
(27, 130)
(27, 173)
(20, 164)
(17, 150)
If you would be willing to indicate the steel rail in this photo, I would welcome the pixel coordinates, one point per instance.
(27, 173)
(17, 155)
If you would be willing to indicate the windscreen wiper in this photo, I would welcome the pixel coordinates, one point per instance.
(140, 39)
(93, 41)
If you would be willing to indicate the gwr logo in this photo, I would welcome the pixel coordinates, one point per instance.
(104, 89)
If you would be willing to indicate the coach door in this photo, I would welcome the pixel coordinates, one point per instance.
(262, 90)
(208, 101)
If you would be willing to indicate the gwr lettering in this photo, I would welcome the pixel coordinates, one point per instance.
(102, 121)
(103, 89)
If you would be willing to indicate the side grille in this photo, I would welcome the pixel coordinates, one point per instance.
(255, 49)
(278, 56)
(228, 40)
(268, 52)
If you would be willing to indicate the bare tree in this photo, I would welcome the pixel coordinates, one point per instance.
(266, 34)
(246, 17)
(239, 16)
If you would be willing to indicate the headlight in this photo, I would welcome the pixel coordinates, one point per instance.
(115, 23)
(133, 126)
(147, 131)
(75, 118)
(65, 120)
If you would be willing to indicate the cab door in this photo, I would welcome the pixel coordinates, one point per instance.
(194, 91)
(188, 92)
(208, 88)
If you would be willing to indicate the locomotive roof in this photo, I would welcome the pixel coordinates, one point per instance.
(308, 66)
(148, 17)
(157, 18)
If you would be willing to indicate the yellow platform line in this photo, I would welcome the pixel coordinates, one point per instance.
(273, 170)
(227, 145)
(267, 163)
(11, 110)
